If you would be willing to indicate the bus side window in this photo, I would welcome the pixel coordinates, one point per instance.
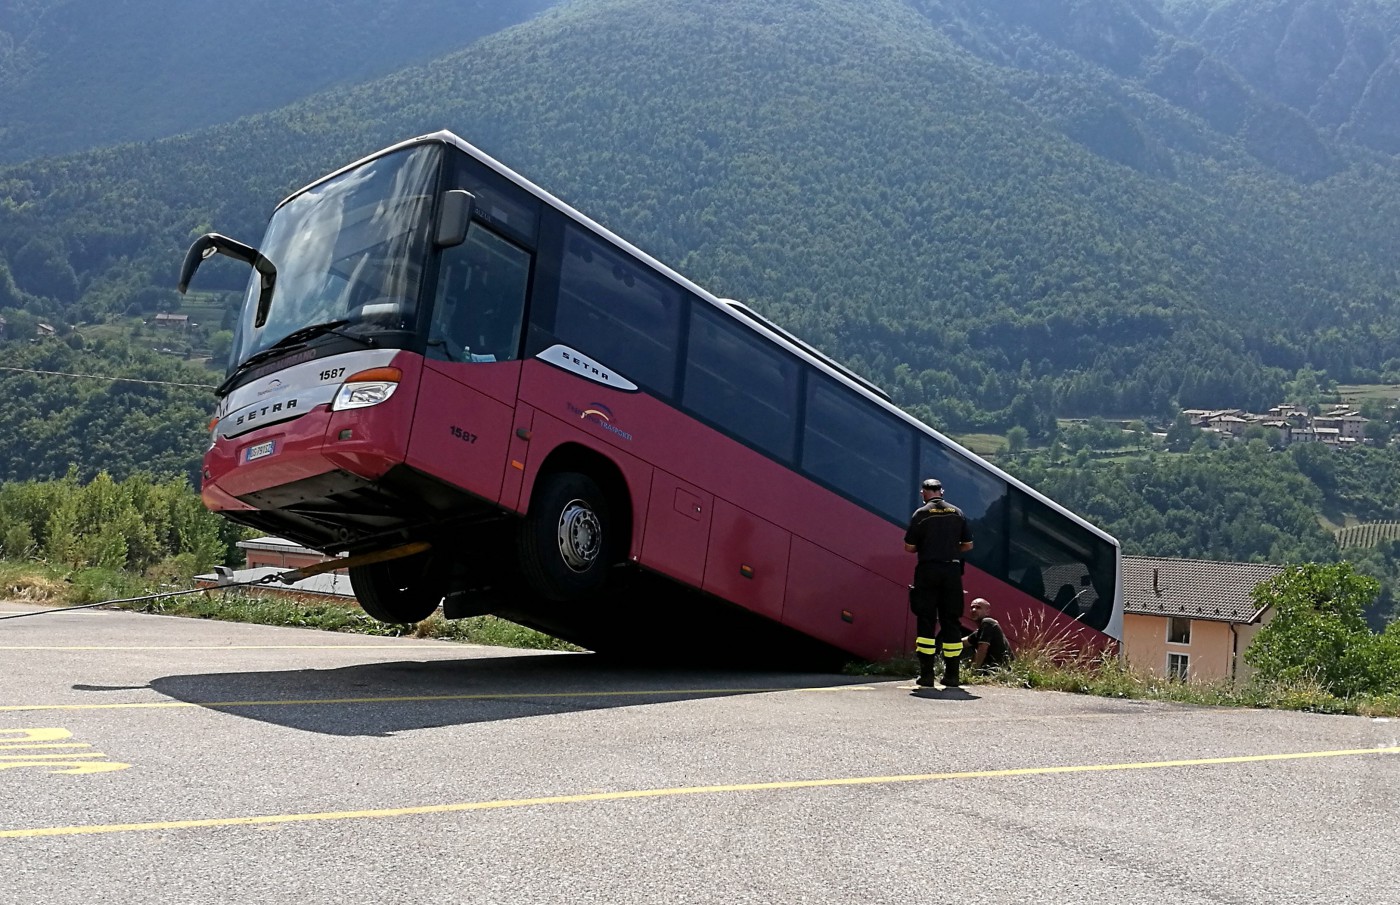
(858, 450)
(736, 381)
(480, 300)
(1065, 564)
(618, 312)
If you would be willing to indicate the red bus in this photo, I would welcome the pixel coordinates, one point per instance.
(435, 356)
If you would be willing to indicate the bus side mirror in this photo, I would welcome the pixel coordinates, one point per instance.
(207, 246)
(211, 244)
(453, 218)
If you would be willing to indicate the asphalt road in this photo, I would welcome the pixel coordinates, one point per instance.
(165, 760)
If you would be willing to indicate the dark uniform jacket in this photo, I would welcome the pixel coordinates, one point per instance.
(998, 649)
(938, 529)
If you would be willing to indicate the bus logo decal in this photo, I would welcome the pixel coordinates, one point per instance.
(576, 362)
(600, 415)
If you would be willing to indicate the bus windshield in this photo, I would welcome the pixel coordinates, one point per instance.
(349, 254)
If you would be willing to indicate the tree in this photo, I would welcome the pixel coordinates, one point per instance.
(1378, 432)
(1181, 434)
(219, 345)
(1306, 387)
(1318, 632)
(1016, 440)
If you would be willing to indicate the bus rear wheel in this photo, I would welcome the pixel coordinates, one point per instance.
(399, 590)
(565, 543)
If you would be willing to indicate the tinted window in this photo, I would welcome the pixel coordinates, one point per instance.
(618, 312)
(348, 249)
(978, 493)
(1052, 557)
(499, 202)
(858, 449)
(740, 383)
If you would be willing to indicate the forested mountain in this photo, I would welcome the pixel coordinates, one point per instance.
(1002, 211)
(1333, 61)
(77, 74)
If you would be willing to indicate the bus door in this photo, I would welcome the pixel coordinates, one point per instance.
(471, 374)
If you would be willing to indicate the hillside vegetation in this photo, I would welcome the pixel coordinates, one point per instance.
(78, 74)
(916, 209)
(63, 413)
(1004, 212)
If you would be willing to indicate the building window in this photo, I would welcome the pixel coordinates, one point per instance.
(1178, 630)
(1179, 667)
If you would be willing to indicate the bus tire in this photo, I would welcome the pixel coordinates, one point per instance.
(565, 543)
(399, 591)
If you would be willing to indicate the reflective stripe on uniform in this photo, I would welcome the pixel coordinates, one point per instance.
(952, 649)
(926, 645)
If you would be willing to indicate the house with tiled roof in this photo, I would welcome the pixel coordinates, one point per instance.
(1191, 618)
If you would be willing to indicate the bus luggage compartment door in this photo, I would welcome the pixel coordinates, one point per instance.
(678, 528)
(836, 601)
(748, 560)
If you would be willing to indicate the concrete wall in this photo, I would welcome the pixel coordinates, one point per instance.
(1145, 645)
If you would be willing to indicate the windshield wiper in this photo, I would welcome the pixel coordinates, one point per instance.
(287, 343)
(314, 330)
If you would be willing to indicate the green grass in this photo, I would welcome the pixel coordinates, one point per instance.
(981, 444)
(1356, 393)
(1049, 667)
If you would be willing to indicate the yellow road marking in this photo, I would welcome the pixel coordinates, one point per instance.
(271, 819)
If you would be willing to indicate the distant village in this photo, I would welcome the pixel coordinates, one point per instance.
(1339, 427)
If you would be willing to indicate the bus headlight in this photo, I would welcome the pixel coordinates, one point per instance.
(367, 388)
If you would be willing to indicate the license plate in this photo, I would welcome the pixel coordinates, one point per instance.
(260, 450)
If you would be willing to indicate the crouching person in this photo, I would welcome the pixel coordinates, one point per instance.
(987, 647)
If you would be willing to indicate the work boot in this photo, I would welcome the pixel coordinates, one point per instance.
(950, 673)
(927, 663)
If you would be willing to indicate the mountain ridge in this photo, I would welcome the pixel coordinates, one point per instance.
(76, 74)
(849, 168)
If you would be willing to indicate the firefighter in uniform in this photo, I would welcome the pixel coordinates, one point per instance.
(939, 533)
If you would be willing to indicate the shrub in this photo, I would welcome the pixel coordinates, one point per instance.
(1319, 635)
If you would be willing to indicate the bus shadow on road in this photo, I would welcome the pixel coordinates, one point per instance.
(380, 699)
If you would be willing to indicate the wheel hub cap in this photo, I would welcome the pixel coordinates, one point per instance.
(580, 535)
